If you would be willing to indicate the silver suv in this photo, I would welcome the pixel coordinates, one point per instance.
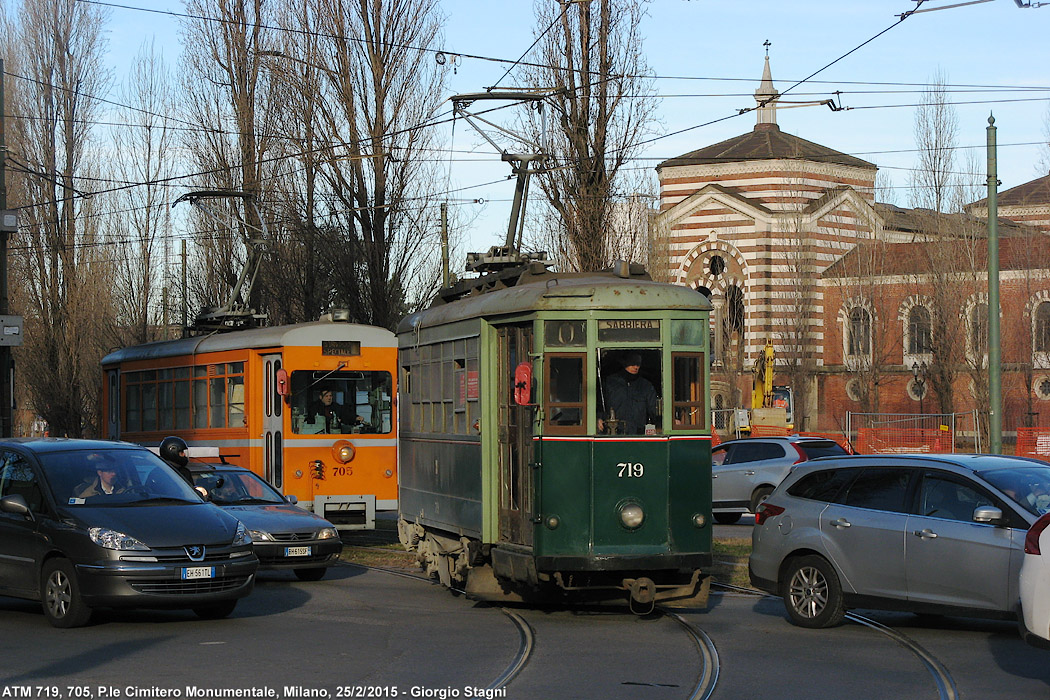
(935, 533)
(745, 471)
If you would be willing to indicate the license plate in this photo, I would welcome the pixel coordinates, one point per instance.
(296, 551)
(193, 572)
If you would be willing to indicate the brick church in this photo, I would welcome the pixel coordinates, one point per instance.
(871, 308)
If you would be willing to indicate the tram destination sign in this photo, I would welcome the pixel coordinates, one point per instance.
(629, 330)
(341, 347)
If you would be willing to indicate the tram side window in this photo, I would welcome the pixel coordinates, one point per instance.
(341, 403)
(156, 399)
(687, 400)
(566, 409)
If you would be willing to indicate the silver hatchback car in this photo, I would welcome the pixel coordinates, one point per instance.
(931, 533)
(745, 471)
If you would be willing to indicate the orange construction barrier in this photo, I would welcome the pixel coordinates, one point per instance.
(1033, 442)
(769, 431)
(903, 440)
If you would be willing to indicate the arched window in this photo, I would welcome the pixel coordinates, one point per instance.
(920, 334)
(1042, 327)
(978, 330)
(858, 334)
(734, 309)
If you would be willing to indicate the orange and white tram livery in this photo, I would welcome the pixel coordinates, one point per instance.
(309, 407)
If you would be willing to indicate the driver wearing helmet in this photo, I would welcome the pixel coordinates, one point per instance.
(173, 451)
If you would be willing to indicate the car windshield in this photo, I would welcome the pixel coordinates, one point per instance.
(229, 487)
(104, 477)
(1029, 486)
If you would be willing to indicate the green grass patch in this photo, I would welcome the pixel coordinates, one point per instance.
(730, 561)
(390, 555)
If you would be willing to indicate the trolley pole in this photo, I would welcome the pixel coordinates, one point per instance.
(995, 394)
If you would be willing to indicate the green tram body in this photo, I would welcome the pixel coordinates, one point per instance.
(513, 501)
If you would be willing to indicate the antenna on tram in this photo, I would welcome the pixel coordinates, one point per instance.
(235, 313)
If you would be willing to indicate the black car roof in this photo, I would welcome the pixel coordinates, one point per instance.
(53, 444)
(214, 467)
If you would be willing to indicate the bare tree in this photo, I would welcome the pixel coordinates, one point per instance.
(228, 98)
(62, 273)
(140, 228)
(384, 87)
(592, 54)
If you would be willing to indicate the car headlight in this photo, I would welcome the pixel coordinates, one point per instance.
(260, 536)
(327, 533)
(111, 539)
(242, 536)
(632, 515)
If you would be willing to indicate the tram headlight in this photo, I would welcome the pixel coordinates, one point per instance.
(632, 516)
(553, 521)
(699, 520)
(343, 451)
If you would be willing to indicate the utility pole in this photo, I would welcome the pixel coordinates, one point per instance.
(995, 394)
(11, 325)
(444, 244)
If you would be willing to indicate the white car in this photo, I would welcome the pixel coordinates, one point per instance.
(1034, 617)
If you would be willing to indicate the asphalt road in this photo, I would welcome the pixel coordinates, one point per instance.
(403, 637)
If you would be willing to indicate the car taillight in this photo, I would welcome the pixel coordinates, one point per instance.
(766, 511)
(801, 455)
(1031, 540)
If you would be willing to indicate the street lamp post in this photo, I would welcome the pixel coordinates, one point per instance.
(918, 373)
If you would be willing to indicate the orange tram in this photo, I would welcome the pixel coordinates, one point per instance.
(309, 407)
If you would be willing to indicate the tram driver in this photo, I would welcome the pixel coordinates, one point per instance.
(631, 403)
(331, 413)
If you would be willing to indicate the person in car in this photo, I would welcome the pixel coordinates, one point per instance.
(106, 482)
(630, 398)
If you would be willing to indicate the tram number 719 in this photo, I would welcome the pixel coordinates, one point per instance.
(631, 470)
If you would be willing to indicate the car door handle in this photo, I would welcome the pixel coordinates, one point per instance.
(926, 534)
(841, 522)
(750, 472)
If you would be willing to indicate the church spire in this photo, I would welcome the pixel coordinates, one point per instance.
(766, 97)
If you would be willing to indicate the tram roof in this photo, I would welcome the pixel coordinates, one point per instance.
(298, 334)
(554, 291)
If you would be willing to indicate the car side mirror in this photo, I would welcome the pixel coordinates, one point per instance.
(291, 499)
(16, 503)
(987, 514)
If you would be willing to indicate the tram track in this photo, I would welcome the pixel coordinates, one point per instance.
(707, 679)
(942, 678)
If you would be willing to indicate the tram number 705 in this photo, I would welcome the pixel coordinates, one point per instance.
(631, 470)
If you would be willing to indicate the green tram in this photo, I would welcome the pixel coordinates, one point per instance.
(517, 479)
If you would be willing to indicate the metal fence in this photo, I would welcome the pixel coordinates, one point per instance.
(940, 433)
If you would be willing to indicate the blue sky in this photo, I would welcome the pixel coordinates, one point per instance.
(717, 45)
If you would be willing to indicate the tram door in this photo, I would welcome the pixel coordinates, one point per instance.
(273, 430)
(515, 438)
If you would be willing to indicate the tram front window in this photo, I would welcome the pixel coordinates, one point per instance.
(628, 391)
(341, 403)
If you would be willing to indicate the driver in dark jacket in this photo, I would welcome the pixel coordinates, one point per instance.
(629, 398)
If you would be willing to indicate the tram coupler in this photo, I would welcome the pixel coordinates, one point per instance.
(642, 590)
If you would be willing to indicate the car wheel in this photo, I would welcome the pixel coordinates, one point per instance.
(60, 595)
(760, 494)
(727, 518)
(215, 611)
(812, 593)
(310, 574)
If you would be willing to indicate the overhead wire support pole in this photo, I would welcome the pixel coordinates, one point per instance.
(995, 394)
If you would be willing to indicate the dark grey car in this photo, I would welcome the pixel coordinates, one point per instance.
(284, 535)
(932, 533)
(87, 524)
